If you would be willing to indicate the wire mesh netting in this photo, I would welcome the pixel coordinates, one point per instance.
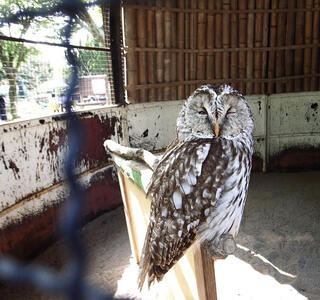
(34, 73)
(26, 79)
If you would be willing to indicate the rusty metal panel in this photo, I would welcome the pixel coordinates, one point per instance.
(32, 152)
(294, 131)
(152, 125)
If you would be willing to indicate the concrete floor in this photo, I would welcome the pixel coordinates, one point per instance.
(278, 255)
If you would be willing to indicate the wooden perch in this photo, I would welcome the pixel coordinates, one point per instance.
(132, 153)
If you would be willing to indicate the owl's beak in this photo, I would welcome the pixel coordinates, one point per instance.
(216, 129)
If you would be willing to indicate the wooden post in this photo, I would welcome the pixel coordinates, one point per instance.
(242, 44)
(315, 49)
(299, 39)
(180, 44)
(250, 37)
(204, 267)
(210, 42)
(151, 42)
(193, 44)
(265, 43)
(307, 41)
(142, 41)
(201, 36)
(234, 44)
(132, 60)
(281, 27)
(173, 44)
(218, 40)
(273, 41)
(257, 72)
(167, 55)
(290, 41)
(187, 46)
(160, 45)
(226, 40)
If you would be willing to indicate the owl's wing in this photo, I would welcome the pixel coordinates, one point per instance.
(177, 207)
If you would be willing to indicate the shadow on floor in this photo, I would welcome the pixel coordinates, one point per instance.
(280, 235)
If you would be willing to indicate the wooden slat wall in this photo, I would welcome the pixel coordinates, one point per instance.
(258, 46)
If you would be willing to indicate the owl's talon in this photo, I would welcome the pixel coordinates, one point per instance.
(221, 249)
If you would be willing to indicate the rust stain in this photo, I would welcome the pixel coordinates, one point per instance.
(296, 159)
(15, 169)
(3, 148)
(53, 145)
(257, 163)
(25, 239)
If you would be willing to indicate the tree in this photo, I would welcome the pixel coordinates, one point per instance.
(12, 55)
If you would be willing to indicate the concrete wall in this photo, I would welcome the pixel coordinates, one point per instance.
(286, 135)
(32, 176)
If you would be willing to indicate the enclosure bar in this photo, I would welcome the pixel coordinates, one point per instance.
(209, 50)
(229, 80)
(64, 45)
(116, 53)
(220, 11)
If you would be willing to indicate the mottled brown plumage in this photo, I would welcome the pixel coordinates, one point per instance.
(198, 189)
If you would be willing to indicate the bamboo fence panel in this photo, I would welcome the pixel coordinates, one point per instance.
(226, 39)
(210, 42)
(242, 44)
(258, 46)
(151, 43)
(234, 27)
(258, 41)
(201, 38)
(160, 45)
(142, 42)
(181, 45)
(218, 40)
(315, 49)
(187, 46)
(307, 40)
(299, 40)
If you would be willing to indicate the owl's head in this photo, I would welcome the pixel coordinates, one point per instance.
(215, 112)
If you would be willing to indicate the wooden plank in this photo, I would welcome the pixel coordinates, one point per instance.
(257, 68)
(250, 38)
(315, 49)
(159, 45)
(173, 64)
(273, 42)
(307, 51)
(129, 218)
(210, 42)
(193, 44)
(142, 59)
(226, 39)
(201, 37)
(234, 43)
(242, 44)
(265, 42)
(218, 41)
(151, 43)
(204, 268)
(299, 39)
(289, 63)
(181, 45)
(132, 60)
(167, 44)
(281, 37)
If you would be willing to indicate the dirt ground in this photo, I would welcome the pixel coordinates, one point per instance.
(278, 254)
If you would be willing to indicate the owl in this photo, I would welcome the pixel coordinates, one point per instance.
(199, 188)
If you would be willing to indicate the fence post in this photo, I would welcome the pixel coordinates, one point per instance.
(116, 52)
